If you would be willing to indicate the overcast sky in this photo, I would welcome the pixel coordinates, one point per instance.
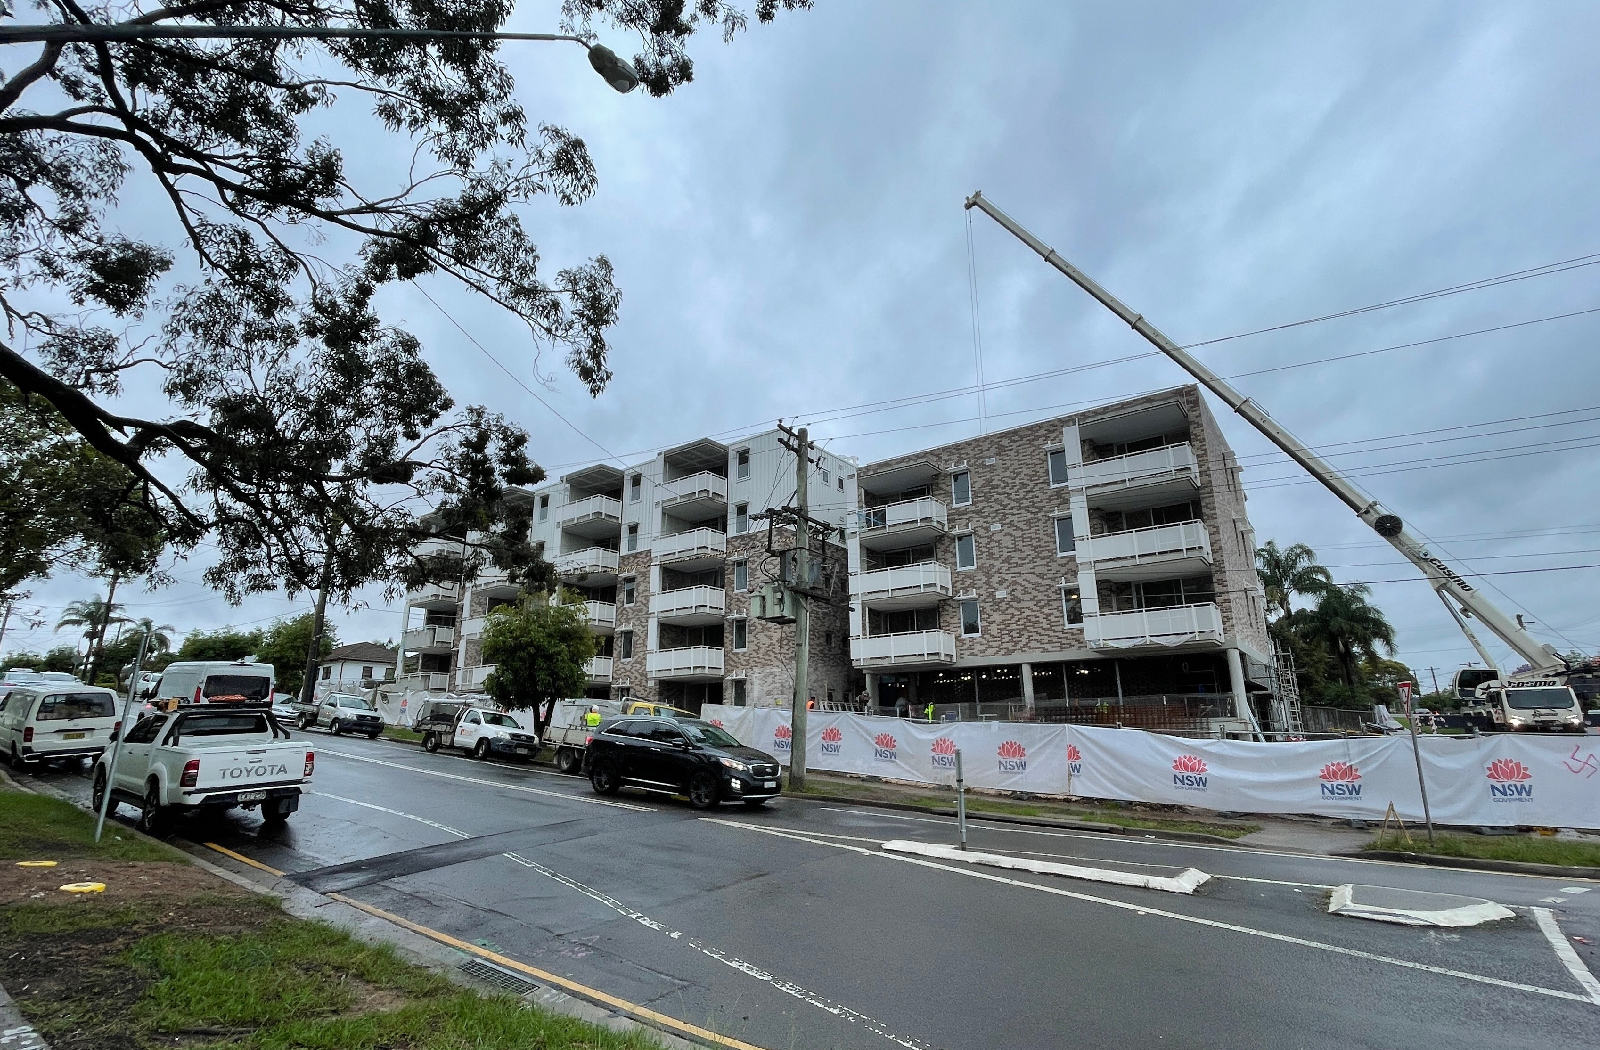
(789, 237)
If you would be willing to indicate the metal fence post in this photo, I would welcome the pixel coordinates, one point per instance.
(961, 801)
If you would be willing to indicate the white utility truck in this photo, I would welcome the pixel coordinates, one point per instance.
(207, 756)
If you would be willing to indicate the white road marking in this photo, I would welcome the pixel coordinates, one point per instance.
(1186, 881)
(1564, 952)
(1575, 889)
(748, 969)
(1282, 938)
(1135, 863)
(492, 783)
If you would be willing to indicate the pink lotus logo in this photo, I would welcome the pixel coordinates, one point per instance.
(1013, 757)
(1339, 780)
(718, 723)
(944, 753)
(883, 747)
(832, 741)
(781, 738)
(1509, 781)
(1189, 773)
(1508, 770)
(1074, 761)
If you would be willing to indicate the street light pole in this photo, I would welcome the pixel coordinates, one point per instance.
(615, 69)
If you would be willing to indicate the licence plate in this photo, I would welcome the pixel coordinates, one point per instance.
(72, 736)
(524, 750)
(252, 796)
(769, 784)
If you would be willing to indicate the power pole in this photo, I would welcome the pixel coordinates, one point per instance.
(802, 611)
(308, 686)
(1435, 679)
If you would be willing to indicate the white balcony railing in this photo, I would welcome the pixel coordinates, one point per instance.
(432, 681)
(602, 508)
(1169, 626)
(599, 669)
(902, 581)
(588, 560)
(695, 543)
(430, 638)
(684, 601)
(704, 485)
(601, 614)
(911, 512)
(1136, 468)
(1158, 543)
(428, 548)
(913, 647)
(472, 627)
(473, 677)
(434, 592)
(696, 660)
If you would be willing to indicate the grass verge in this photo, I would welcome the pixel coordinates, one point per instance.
(402, 734)
(37, 827)
(1529, 849)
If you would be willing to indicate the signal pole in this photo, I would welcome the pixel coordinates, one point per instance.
(802, 611)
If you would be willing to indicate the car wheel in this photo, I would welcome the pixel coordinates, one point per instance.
(273, 815)
(335, 727)
(480, 750)
(151, 818)
(430, 743)
(98, 796)
(568, 760)
(301, 723)
(702, 791)
(603, 778)
(374, 734)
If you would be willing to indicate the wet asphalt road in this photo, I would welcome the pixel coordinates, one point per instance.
(788, 926)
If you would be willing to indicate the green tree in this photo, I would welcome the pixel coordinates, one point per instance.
(1290, 572)
(223, 644)
(248, 299)
(22, 658)
(118, 656)
(538, 651)
(284, 645)
(1350, 626)
(95, 616)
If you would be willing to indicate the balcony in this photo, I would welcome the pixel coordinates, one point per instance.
(902, 586)
(914, 649)
(598, 669)
(429, 548)
(430, 639)
(595, 564)
(1150, 553)
(909, 523)
(602, 616)
(1175, 625)
(695, 496)
(1159, 475)
(690, 606)
(692, 550)
(434, 594)
(594, 517)
(473, 677)
(695, 663)
(471, 628)
(426, 681)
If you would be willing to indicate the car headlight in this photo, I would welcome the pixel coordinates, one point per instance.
(735, 765)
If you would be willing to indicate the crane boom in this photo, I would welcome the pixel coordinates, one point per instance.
(1445, 580)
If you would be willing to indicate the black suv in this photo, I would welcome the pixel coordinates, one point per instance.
(684, 755)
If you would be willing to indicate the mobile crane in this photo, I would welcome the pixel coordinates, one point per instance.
(1534, 698)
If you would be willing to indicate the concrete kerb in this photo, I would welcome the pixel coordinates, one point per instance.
(1510, 867)
(15, 1032)
(1186, 881)
(1414, 907)
(303, 903)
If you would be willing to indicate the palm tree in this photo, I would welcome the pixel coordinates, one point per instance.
(1289, 572)
(160, 640)
(94, 615)
(1349, 625)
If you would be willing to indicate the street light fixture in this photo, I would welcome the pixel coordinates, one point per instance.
(615, 69)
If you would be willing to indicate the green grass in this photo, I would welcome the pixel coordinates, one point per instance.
(29, 918)
(1532, 849)
(37, 827)
(402, 734)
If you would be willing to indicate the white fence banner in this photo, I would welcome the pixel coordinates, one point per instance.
(1498, 780)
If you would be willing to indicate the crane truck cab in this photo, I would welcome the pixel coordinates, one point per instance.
(1525, 705)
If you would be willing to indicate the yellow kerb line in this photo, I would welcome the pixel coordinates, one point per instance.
(642, 1012)
(241, 858)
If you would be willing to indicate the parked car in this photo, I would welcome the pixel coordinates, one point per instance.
(682, 755)
(216, 682)
(342, 713)
(476, 730)
(46, 722)
(207, 757)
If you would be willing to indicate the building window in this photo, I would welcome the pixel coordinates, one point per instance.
(327, 672)
(544, 508)
(961, 489)
(830, 694)
(970, 627)
(625, 643)
(823, 472)
(1066, 542)
(741, 576)
(366, 672)
(966, 552)
(741, 635)
(827, 639)
(744, 463)
(1058, 467)
(741, 518)
(1071, 605)
(635, 487)
(738, 692)
(841, 484)
(628, 588)
(633, 538)
(624, 691)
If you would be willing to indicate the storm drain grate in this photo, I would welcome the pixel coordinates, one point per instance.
(498, 976)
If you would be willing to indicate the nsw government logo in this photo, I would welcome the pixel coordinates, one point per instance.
(1340, 780)
(1189, 772)
(1013, 757)
(883, 746)
(1509, 781)
(718, 723)
(781, 737)
(944, 753)
(832, 741)
(1074, 760)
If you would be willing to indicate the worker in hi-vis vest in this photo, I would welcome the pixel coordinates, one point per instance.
(592, 717)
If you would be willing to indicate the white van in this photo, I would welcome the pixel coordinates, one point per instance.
(215, 682)
(46, 721)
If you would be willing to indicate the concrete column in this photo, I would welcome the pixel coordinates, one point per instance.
(1241, 697)
(1027, 686)
(872, 693)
